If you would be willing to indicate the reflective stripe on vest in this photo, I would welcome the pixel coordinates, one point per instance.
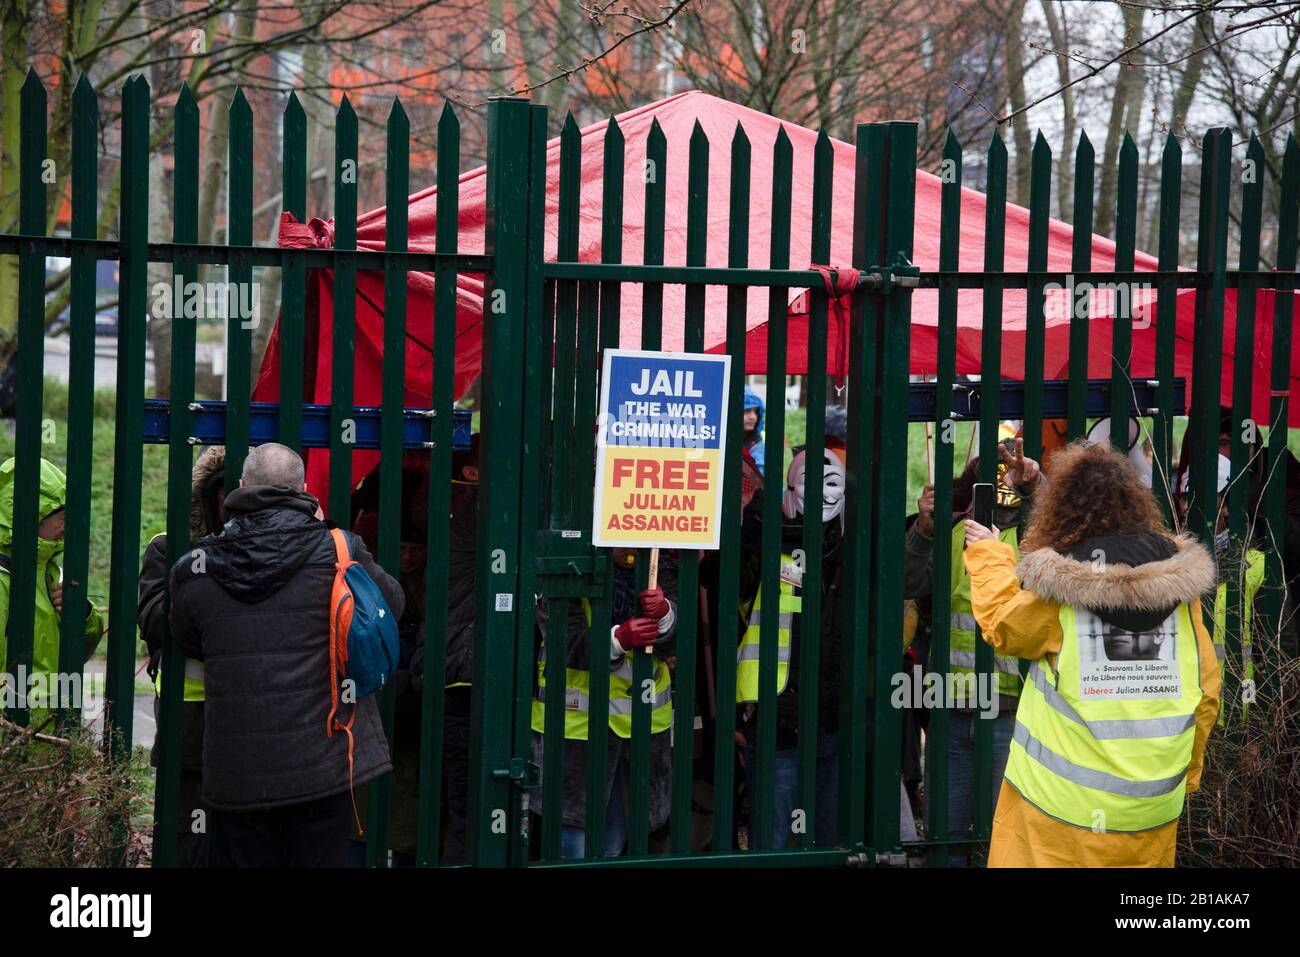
(962, 642)
(577, 688)
(1114, 728)
(1099, 748)
(965, 661)
(193, 680)
(748, 654)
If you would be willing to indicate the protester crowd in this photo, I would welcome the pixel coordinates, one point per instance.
(1078, 568)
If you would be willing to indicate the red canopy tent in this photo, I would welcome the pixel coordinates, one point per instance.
(677, 116)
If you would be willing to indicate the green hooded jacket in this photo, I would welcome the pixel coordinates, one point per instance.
(49, 558)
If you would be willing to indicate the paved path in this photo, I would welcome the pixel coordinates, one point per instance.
(143, 728)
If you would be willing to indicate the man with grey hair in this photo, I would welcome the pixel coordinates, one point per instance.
(252, 603)
(274, 464)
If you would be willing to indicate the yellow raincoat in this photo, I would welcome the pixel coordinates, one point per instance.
(49, 562)
(1017, 622)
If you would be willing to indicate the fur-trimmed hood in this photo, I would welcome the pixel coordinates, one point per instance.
(1132, 581)
(205, 513)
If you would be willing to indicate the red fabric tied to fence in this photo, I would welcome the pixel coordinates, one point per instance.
(719, 119)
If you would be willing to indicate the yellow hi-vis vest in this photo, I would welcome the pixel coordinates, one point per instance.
(1105, 744)
(1253, 580)
(961, 620)
(193, 680)
(577, 689)
(747, 655)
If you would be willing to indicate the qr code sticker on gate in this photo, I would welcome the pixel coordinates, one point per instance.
(505, 602)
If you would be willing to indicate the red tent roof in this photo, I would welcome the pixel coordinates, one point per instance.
(678, 116)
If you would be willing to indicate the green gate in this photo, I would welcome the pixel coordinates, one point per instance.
(542, 341)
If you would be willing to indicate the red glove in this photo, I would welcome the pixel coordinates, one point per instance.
(637, 633)
(653, 603)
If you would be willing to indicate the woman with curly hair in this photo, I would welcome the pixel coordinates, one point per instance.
(1123, 688)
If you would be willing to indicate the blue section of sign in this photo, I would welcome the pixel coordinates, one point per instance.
(663, 401)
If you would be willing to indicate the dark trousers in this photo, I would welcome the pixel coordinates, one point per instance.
(455, 769)
(191, 841)
(311, 834)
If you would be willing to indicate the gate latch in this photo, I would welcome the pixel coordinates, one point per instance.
(522, 772)
(902, 274)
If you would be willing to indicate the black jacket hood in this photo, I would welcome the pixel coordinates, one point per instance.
(1132, 582)
(272, 532)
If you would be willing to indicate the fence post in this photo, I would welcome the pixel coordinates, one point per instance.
(868, 202)
(729, 559)
(344, 331)
(504, 313)
(433, 699)
(886, 655)
(293, 275)
(564, 468)
(1080, 261)
(180, 458)
(81, 382)
(1207, 346)
(128, 452)
(391, 458)
(239, 277)
(1171, 178)
(1121, 388)
(537, 385)
(763, 800)
(937, 736)
(30, 387)
(811, 588)
(995, 230)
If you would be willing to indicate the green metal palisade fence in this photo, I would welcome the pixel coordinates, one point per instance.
(548, 322)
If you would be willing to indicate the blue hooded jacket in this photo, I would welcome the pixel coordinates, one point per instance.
(754, 442)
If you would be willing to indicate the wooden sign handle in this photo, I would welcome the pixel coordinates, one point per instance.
(653, 582)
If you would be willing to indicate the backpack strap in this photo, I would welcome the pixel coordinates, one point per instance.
(343, 556)
(343, 553)
(342, 550)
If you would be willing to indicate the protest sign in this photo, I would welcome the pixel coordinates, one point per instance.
(663, 418)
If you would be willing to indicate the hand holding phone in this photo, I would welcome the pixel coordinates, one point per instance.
(980, 524)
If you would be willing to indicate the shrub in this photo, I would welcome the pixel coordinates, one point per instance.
(63, 805)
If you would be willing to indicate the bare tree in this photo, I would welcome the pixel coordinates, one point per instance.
(1124, 105)
(1058, 29)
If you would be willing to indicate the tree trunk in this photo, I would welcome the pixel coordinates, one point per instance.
(13, 43)
(1125, 82)
(1191, 77)
(1182, 102)
(212, 189)
(160, 219)
(1059, 30)
(1021, 136)
(319, 111)
(159, 229)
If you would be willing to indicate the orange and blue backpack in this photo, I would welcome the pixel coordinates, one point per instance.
(363, 638)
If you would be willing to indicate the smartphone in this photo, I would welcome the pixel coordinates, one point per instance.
(982, 504)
